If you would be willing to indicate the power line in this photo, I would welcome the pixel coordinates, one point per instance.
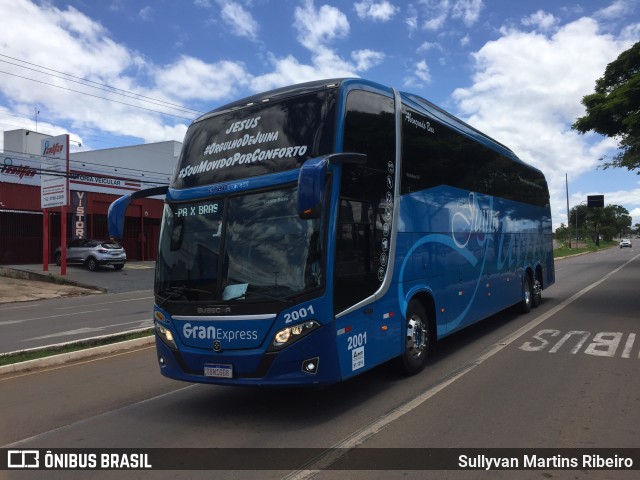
(99, 86)
(96, 96)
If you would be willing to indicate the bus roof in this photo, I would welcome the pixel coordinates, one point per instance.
(277, 94)
(307, 87)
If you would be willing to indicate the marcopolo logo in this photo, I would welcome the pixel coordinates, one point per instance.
(210, 332)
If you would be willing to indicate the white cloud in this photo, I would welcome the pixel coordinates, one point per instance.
(288, 70)
(526, 93)
(635, 213)
(319, 27)
(325, 63)
(376, 11)
(435, 23)
(190, 78)
(427, 46)
(412, 18)
(467, 10)
(422, 71)
(240, 21)
(366, 59)
(39, 33)
(542, 20)
(437, 12)
(146, 13)
(618, 9)
(419, 75)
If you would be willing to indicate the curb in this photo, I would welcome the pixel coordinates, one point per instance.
(60, 359)
(45, 277)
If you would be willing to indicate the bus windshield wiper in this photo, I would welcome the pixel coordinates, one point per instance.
(174, 293)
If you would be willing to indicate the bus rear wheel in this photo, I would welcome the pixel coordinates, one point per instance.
(536, 299)
(527, 294)
(417, 339)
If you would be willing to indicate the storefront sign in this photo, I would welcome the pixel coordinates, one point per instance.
(79, 225)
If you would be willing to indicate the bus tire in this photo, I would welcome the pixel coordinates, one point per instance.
(527, 294)
(417, 339)
(536, 298)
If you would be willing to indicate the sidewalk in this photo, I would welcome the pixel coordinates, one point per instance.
(21, 283)
(18, 290)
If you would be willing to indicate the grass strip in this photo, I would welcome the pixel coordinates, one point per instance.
(42, 352)
(565, 251)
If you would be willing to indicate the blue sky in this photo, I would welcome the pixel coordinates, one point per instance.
(125, 72)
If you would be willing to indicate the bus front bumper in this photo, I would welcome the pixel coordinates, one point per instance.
(310, 361)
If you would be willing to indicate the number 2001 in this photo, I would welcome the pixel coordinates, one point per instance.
(298, 314)
(356, 341)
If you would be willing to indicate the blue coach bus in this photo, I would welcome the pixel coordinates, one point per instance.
(315, 231)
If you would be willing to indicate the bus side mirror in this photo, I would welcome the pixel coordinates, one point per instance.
(115, 216)
(311, 187)
(117, 210)
(311, 180)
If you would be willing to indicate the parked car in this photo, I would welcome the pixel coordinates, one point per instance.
(93, 253)
(625, 242)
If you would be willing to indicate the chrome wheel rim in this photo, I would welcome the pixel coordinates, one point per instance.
(416, 337)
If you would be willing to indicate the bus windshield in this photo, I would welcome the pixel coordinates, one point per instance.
(262, 252)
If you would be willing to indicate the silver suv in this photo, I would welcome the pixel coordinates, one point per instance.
(93, 253)
(625, 242)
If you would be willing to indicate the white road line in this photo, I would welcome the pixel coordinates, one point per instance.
(105, 303)
(100, 415)
(357, 438)
(11, 322)
(360, 436)
(79, 331)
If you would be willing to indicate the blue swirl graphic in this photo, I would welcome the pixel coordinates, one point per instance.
(466, 254)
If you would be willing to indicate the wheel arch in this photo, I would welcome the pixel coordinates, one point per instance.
(425, 297)
(539, 275)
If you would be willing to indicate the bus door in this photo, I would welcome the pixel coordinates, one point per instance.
(363, 235)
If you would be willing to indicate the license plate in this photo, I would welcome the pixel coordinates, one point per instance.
(218, 371)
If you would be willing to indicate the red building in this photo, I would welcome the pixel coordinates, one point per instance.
(96, 178)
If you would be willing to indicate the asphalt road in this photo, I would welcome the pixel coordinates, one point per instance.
(127, 306)
(564, 375)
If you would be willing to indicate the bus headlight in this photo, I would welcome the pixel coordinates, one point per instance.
(165, 335)
(292, 334)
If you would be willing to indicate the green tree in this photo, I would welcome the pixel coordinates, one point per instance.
(621, 220)
(562, 234)
(577, 221)
(610, 221)
(596, 217)
(614, 109)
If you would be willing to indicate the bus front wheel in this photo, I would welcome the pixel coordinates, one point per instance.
(417, 339)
